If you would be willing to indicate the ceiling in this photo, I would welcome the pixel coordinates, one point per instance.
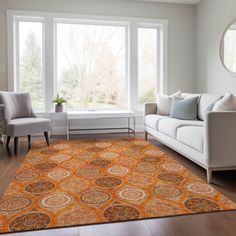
(174, 1)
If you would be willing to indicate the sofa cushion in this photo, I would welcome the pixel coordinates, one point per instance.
(204, 102)
(190, 95)
(169, 126)
(192, 136)
(164, 103)
(227, 103)
(185, 109)
(153, 120)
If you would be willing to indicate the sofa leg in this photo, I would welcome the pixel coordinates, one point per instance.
(209, 176)
(8, 140)
(46, 135)
(16, 139)
(146, 136)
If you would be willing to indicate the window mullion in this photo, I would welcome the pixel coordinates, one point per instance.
(15, 86)
(159, 85)
(133, 85)
(48, 62)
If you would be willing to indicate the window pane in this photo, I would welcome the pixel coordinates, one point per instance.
(91, 66)
(31, 62)
(147, 65)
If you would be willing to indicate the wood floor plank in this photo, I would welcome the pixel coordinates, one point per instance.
(52, 232)
(217, 224)
(136, 228)
(99, 230)
(195, 225)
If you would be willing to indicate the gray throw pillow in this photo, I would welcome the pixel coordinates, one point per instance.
(210, 108)
(185, 109)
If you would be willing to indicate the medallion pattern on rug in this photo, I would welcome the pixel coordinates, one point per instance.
(84, 182)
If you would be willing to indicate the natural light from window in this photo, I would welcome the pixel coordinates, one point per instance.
(31, 76)
(147, 65)
(91, 66)
(97, 63)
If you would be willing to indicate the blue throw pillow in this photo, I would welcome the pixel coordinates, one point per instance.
(185, 109)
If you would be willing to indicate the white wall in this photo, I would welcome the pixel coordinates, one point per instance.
(212, 17)
(181, 29)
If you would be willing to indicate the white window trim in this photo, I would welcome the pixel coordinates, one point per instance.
(49, 56)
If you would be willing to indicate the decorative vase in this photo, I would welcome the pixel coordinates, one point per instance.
(59, 108)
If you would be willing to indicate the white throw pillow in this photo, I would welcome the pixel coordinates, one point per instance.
(227, 103)
(164, 103)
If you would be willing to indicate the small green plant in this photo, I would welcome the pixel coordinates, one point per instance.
(59, 100)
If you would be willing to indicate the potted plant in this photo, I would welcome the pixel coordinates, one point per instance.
(59, 101)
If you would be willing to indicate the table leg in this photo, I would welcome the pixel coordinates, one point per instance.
(128, 125)
(134, 126)
(67, 129)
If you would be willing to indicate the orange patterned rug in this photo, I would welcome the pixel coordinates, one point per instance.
(86, 182)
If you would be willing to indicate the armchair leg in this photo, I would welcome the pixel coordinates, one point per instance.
(29, 141)
(209, 176)
(8, 140)
(46, 135)
(16, 139)
(146, 136)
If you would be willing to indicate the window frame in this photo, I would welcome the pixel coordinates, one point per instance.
(49, 39)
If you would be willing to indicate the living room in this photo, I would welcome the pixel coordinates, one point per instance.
(117, 117)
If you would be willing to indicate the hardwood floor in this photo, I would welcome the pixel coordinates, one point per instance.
(217, 224)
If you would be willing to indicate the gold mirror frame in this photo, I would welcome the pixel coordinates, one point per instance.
(221, 48)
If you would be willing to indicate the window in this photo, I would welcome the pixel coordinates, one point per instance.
(147, 65)
(91, 66)
(95, 62)
(30, 73)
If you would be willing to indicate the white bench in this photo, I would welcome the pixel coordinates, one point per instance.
(84, 115)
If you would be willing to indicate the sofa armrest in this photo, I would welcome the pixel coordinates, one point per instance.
(150, 108)
(220, 139)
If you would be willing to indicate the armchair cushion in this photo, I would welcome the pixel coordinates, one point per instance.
(27, 126)
(17, 105)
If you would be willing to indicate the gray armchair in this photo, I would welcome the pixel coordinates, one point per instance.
(20, 118)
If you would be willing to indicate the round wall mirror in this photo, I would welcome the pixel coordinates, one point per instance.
(228, 48)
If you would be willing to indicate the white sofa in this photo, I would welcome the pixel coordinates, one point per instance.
(209, 141)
